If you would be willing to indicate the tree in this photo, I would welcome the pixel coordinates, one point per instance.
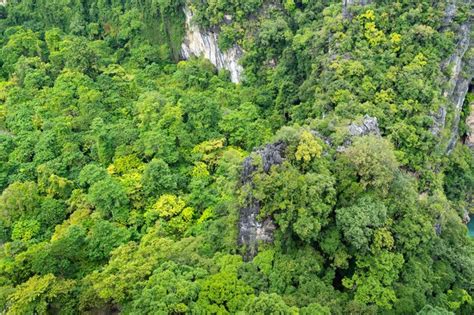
(171, 289)
(374, 278)
(243, 126)
(373, 161)
(21, 42)
(123, 169)
(308, 148)
(173, 211)
(103, 237)
(300, 203)
(224, 292)
(158, 179)
(91, 174)
(25, 230)
(19, 200)
(110, 199)
(359, 222)
(430, 310)
(39, 295)
(131, 264)
(269, 304)
(61, 256)
(315, 308)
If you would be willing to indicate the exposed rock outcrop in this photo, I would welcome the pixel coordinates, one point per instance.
(368, 126)
(465, 217)
(198, 42)
(469, 141)
(462, 73)
(449, 12)
(251, 230)
(346, 4)
(438, 228)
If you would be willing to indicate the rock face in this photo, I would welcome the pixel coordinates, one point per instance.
(462, 73)
(204, 43)
(465, 217)
(369, 126)
(469, 141)
(438, 228)
(251, 230)
(450, 12)
(346, 4)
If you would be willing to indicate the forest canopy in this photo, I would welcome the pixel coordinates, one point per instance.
(129, 176)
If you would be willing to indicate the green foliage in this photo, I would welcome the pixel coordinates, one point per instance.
(224, 292)
(158, 179)
(305, 215)
(428, 309)
(122, 170)
(40, 294)
(173, 210)
(171, 289)
(19, 200)
(110, 199)
(459, 175)
(244, 128)
(308, 148)
(373, 161)
(25, 230)
(373, 283)
(103, 237)
(359, 222)
(269, 304)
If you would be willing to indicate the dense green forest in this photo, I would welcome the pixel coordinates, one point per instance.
(130, 178)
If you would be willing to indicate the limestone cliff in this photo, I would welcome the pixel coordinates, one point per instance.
(251, 230)
(461, 64)
(199, 42)
(469, 141)
(459, 82)
(346, 4)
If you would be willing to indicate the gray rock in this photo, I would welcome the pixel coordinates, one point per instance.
(346, 4)
(469, 141)
(439, 121)
(438, 229)
(204, 43)
(369, 126)
(465, 217)
(458, 82)
(251, 230)
(450, 12)
(271, 154)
